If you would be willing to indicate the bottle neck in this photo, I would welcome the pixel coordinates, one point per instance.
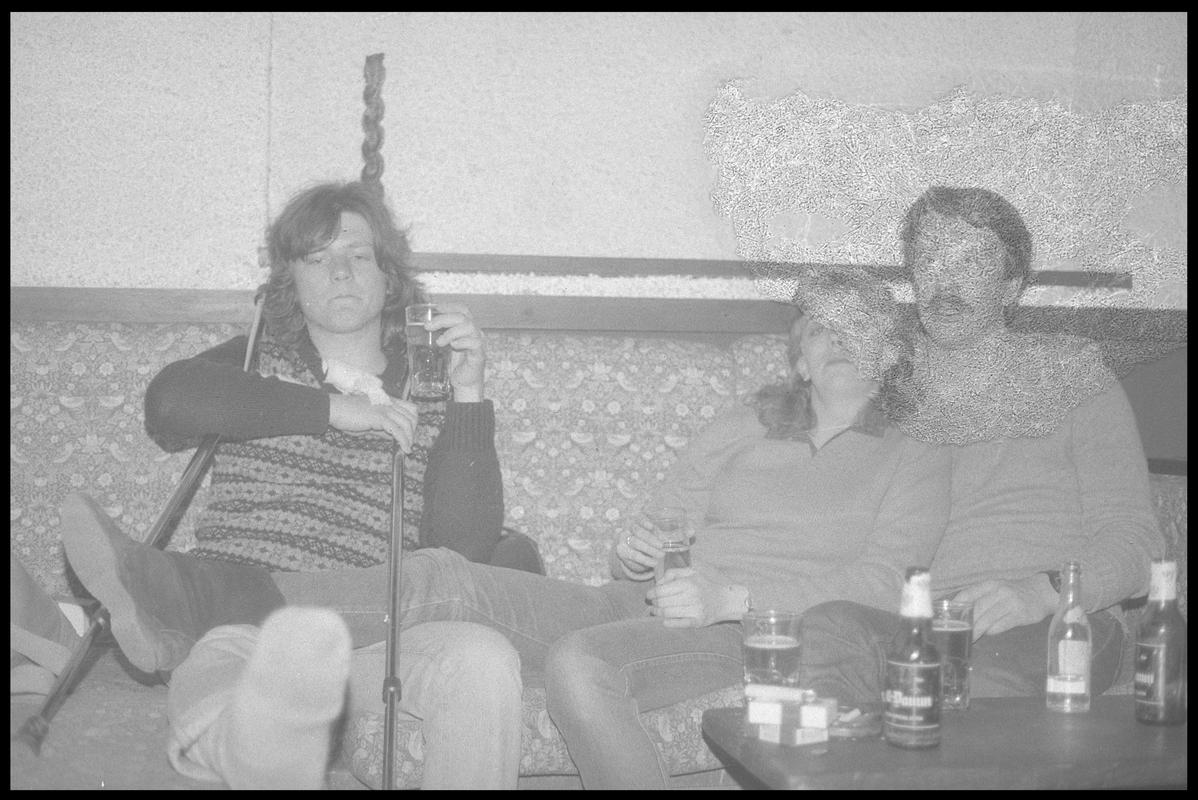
(917, 626)
(1071, 586)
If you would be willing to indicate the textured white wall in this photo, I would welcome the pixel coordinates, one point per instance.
(150, 150)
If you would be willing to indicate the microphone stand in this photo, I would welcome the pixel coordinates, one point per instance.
(392, 691)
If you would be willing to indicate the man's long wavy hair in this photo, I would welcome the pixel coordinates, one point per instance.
(310, 221)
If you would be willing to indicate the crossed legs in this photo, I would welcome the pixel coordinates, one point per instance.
(283, 686)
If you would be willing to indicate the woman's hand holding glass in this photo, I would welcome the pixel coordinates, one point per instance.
(639, 552)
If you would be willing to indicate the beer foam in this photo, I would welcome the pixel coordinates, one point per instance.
(771, 641)
(950, 625)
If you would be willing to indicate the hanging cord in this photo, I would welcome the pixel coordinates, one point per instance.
(372, 143)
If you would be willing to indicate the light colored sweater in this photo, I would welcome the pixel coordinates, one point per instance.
(1028, 504)
(799, 526)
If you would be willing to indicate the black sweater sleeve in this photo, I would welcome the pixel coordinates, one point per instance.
(210, 393)
(463, 485)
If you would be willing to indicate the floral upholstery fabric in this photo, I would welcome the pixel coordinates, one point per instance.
(676, 731)
(76, 425)
(587, 426)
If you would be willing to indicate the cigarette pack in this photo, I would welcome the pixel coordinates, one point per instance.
(789, 736)
(788, 715)
(766, 702)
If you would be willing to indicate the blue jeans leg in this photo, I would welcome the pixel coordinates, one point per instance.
(599, 680)
(440, 585)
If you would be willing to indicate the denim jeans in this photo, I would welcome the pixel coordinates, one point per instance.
(603, 659)
(844, 645)
(598, 680)
(461, 680)
(440, 585)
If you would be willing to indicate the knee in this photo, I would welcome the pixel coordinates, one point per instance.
(433, 559)
(435, 568)
(575, 674)
(483, 665)
(839, 618)
(838, 629)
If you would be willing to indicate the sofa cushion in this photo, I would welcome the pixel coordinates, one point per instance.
(676, 731)
(587, 427)
(76, 425)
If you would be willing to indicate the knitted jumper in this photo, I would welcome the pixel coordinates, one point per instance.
(800, 526)
(1024, 505)
(290, 493)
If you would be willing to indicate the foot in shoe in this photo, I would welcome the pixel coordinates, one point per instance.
(287, 701)
(107, 562)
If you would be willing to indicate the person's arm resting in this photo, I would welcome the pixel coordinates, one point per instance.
(1112, 478)
(210, 393)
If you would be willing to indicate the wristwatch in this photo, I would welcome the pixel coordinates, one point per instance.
(1054, 578)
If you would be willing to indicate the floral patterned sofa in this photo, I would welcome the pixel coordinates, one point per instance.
(587, 426)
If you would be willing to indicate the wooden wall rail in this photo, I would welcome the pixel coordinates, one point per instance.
(707, 318)
(493, 312)
(544, 312)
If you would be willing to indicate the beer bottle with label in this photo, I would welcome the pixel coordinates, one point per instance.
(911, 694)
(1068, 683)
(1161, 652)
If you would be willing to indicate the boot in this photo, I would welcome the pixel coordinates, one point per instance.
(160, 603)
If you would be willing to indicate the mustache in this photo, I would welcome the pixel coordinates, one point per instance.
(946, 303)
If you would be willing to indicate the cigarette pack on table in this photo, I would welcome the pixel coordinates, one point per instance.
(765, 701)
(787, 715)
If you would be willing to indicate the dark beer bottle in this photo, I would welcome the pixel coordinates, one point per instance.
(911, 695)
(1161, 652)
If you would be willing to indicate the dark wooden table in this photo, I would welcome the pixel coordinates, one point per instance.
(1010, 743)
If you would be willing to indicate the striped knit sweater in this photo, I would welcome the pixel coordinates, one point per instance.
(290, 493)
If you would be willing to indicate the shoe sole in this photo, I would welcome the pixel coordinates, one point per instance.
(92, 542)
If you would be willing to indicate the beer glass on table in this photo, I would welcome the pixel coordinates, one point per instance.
(771, 647)
(952, 633)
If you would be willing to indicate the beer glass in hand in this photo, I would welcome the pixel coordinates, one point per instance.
(670, 525)
(428, 362)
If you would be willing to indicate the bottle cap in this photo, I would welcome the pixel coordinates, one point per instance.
(1164, 580)
(917, 594)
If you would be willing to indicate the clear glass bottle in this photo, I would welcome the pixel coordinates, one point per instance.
(1069, 640)
(911, 694)
(1160, 680)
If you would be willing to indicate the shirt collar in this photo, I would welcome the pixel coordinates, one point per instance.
(870, 420)
(393, 376)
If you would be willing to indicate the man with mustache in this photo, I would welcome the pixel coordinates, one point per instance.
(1047, 466)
